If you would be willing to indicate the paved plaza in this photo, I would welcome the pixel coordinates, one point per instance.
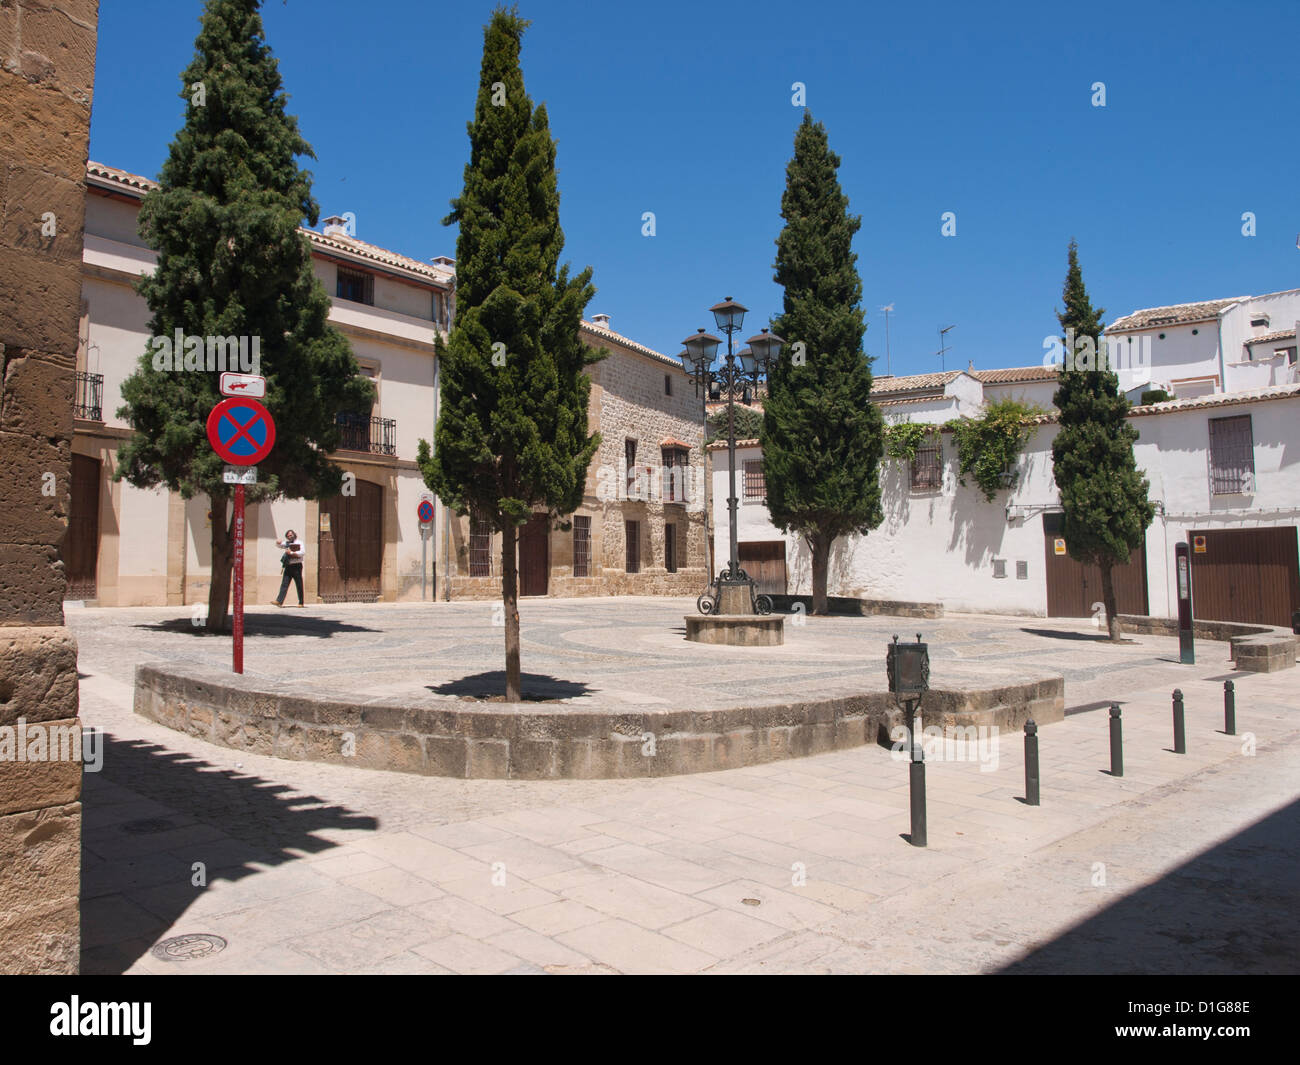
(792, 866)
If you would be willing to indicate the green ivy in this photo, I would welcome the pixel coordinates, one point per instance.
(989, 446)
(749, 423)
(903, 439)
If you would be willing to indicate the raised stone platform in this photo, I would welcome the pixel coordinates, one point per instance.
(1263, 654)
(736, 630)
(532, 741)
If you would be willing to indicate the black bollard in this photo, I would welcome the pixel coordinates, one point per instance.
(916, 779)
(1031, 763)
(1180, 737)
(1229, 708)
(1116, 742)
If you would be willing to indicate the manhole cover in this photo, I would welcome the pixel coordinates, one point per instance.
(751, 902)
(188, 948)
(148, 825)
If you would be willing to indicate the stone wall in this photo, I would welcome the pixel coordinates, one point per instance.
(47, 67)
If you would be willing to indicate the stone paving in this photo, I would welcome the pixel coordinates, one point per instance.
(1188, 863)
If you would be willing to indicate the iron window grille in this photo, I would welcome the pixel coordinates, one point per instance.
(90, 397)
(755, 484)
(676, 463)
(632, 562)
(360, 432)
(1232, 456)
(927, 471)
(670, 547)
(581, 546)
(356, 286)
(480, 546)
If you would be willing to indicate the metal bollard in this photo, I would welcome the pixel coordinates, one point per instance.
(916, 780)
(1229, 708)
(1116, 742)
(1031, 763)
(1180, 737)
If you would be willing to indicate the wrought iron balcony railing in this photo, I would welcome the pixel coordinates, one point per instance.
(90, 397)
(360, 432)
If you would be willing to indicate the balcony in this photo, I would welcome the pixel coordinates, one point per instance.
(360, 432)
(90, 397)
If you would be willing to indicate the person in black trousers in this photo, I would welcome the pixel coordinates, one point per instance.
(291, 560)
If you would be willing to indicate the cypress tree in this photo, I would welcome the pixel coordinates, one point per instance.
(822, 437)
(512, 429)
(1103, 494)
(232, 262)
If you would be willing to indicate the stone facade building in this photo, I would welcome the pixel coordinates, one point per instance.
(47, 68)
(134, 547)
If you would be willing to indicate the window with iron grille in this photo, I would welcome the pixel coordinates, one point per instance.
(755, 485)
(676, 462)
(356, 286)
(632, 560)
(670, 547)
(480, 546)
(629, 456)
(927, 472)
(1232, 456)
(581, 546)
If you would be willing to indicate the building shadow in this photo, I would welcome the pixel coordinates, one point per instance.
(150, 814)
(1058, 634)
(263, 625)
(1232, 910)
(535, 687)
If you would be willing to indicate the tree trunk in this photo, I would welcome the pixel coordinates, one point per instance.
(821, 558)
(510, 601)
(1108, 599)
(222, 565)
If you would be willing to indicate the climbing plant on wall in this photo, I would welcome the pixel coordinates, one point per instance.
(989, 446)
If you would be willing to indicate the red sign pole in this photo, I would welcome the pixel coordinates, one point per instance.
(238, 627)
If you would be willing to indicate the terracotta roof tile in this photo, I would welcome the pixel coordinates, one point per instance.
(1268, 338)
(1174, 314)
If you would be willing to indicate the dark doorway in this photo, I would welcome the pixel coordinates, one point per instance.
(632, 560)
(1073, 589)
(1246, 575)
(81, 544)
(534, 556)
(350, 543)
(764, 561)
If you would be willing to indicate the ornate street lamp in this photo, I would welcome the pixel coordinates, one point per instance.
(734, 587)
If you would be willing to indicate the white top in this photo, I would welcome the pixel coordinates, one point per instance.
(296, 551)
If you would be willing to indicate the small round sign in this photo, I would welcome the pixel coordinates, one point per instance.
(425, 510)
(241, 431)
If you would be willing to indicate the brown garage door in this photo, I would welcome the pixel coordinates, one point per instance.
(351, 549)
(1073, 589)
(81, 544)
(764, 561)
(1246, 575)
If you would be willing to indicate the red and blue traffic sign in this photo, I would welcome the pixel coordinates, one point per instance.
(425, 510)
(241, 431)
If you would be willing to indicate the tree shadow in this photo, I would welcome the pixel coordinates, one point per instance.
(263, 625)
(1059, 634)
(1202, 917)
(535, 687)
(150, 814)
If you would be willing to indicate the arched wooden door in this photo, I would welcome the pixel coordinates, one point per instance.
(81, 545)
(350, 546)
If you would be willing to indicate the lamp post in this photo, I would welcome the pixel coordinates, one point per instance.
(735, 589)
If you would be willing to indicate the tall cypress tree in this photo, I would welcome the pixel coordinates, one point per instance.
(1103, 494)
(233, 263)
(822, 437)
(512, 428)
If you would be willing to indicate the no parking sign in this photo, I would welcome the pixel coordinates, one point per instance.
(241, 431)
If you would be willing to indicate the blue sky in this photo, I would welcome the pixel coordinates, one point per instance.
(684, 109)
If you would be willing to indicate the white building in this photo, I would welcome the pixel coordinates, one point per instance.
(1224, 473)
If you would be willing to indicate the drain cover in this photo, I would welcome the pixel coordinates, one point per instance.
(148, 825)
(189, 948)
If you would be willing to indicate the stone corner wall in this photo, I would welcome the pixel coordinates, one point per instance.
(47, 67)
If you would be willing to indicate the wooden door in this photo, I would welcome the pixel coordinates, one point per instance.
(1249, 575)
(632, 538)
(764, 561)
(350, 546)
(81, 544)
(1073, 589)
(534, 556)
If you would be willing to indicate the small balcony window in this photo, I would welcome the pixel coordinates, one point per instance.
(356, 286)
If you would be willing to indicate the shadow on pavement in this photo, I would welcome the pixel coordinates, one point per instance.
(264, 625)
(1231, 909)
(1058, 634)
(151, 813)
(536, 687)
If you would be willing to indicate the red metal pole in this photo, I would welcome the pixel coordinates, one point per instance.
(238, 628)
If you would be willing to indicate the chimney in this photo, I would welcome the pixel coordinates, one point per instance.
(601, 321)
(337, 226)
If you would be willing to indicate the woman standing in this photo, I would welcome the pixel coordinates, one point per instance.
(291, 561)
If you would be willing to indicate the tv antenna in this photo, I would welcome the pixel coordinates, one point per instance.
(943, 345)
(887, 309)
